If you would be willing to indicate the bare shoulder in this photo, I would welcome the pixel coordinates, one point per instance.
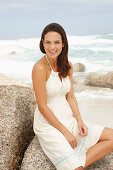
(39, 82)
(39, 68)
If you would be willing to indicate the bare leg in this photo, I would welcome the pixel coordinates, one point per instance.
(102, 148)
(80, 168)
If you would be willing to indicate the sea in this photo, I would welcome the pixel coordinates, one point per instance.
(17, 57)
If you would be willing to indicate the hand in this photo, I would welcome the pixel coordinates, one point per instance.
(82, 128)
(70, 138)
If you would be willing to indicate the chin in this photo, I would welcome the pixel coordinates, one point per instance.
(53, 55)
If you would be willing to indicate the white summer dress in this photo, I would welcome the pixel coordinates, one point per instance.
(52, 141)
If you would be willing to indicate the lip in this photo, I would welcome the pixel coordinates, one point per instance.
(52, 52)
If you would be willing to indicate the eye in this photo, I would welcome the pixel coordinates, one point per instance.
(57, 42)
(47, 42)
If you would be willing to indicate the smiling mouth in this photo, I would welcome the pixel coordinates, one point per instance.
(52, 52)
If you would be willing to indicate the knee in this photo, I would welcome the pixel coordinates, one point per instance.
(80, 168)
(111, 138)
(107, 134)
(112, 145)
(111, 134)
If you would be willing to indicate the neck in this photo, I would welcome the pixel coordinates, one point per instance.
(53, 61)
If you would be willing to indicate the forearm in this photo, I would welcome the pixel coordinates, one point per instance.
(52, 119)
(74, 107)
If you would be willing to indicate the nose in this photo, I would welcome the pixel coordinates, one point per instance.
(52, 46)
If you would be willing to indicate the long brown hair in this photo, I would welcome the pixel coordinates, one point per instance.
(62, 62)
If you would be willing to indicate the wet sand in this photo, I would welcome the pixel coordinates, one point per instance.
(97, 110)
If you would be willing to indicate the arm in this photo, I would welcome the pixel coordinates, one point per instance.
(71, 98)
(39, 86)
(74, 105)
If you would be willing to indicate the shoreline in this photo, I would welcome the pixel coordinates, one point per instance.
(96, 109)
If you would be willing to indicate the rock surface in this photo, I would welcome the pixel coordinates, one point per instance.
(35, 159)
(105, 80)
(5, 80)
(78, 67)
(17, 105)
(81, 87)
(79, 79)
(103, 164)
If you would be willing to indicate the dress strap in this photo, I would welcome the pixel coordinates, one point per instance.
(49, 63)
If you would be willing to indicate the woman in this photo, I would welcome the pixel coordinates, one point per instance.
(68, 141)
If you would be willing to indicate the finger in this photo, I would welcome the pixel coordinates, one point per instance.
(81, 131)
(85, 131)
(75, 143)
(71, 144)
(79, 134)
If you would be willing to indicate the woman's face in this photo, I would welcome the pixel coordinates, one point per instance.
(53, 44)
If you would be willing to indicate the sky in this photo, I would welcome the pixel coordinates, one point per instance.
(27, 18)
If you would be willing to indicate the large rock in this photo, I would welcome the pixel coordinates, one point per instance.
(35, 159)
(103, 164)
(17, 105)
(104, 80)
(81, 87)
(5, 80)
(79, 79)
(78, 67)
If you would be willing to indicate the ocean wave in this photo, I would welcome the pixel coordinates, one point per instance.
(106, 93)
(19, 70)
(90, 40)
(94, 51)
(105, 36)
(101, 66)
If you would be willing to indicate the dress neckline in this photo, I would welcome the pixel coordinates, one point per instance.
(61, 80)
(51, 66)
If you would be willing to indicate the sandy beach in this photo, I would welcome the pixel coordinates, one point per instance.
(95, 106)
(97, 110)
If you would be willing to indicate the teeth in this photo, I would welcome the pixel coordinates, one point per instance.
(52, 51)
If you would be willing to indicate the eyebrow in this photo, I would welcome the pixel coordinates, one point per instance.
(55, 40)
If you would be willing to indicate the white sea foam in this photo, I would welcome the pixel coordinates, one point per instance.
(17, 46)
(88, 40)
(94, 51)
(106, 93)
(20, 70)
(94, 66)
(106, 49)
